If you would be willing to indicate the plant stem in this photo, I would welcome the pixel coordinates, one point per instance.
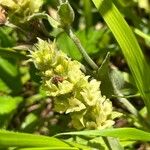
(77, 42)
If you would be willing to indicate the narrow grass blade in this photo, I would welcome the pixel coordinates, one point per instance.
(121, 133)
(87, 13)
(13, 139)
(142, 34)
(129, 45)
(49, 148)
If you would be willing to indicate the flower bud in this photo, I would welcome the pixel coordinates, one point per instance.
(65, 14)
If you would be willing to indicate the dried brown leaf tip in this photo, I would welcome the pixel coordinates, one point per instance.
(2, 16)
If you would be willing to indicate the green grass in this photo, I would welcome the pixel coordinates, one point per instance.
(129, 46)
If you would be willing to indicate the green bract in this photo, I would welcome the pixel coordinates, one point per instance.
(72, 91)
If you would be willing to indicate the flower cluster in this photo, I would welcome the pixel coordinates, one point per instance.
(73, 92)
(19, 10)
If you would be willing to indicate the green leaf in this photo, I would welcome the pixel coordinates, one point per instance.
(30, 123)
(10, 53)
(129, 45)
(121, 133)
(10, 75)
(104, 77)
(8, 67)
(80, 143)
(4, 88)
(14, 139)
(5, 39)
(43, 15)
(142, 34)
(88, 13)
(113, 143)
(8, 105)
(49, 148)
(69, 47)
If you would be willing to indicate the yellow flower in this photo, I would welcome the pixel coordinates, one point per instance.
(71, 90)
(57, 89)
(91, 93)
(19, 10)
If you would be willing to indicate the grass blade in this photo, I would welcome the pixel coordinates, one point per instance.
(87, 13)
(49, 148)
(121, 133)
(129, 45)
(13, 139)
(141, 34)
